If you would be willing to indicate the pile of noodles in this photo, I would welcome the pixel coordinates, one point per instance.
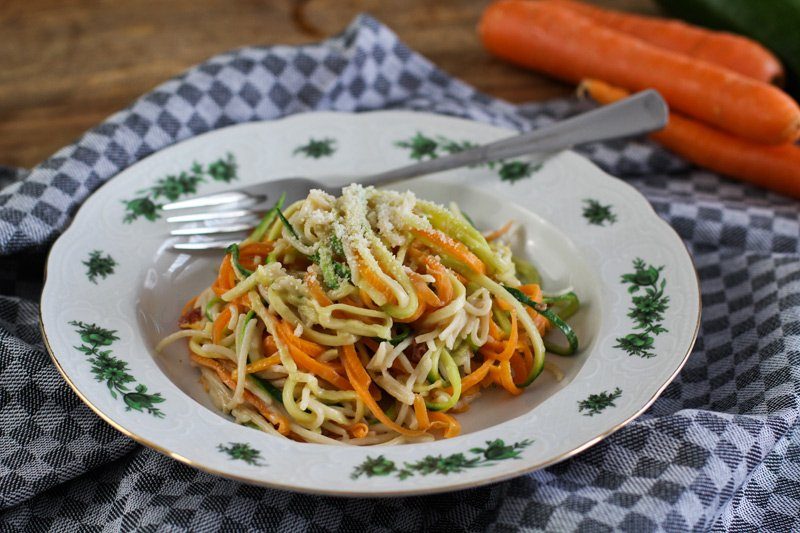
(370, 318)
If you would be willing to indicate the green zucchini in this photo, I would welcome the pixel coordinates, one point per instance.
(287, 224)
(557, 321)
(267, 220)
(211, 303)
(564, 305)
(233, 249)
(453, 377)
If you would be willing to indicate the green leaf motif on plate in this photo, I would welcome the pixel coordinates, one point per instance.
(242, 451)
(422, 147)
(112, 371)
(170, 188)
(317, 148)
(99, 265)
(516, 170)
(649, 303)
(495, 451)
(596, 403)
(598, 214)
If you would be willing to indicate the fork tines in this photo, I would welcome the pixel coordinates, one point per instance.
(212, 216)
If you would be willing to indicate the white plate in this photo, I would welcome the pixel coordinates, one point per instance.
(582, 228)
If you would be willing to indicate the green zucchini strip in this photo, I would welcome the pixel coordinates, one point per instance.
(233, 249)
(269, 217)
(557, 321)
(211, 303)
(403, 332)
(524, 318)
(453, 377)
(268, 387)
(526, 272)
(288, 224)
(247, 318)
(565, 305)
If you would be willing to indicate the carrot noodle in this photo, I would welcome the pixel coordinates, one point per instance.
(534, 292)
(359, 430)
(263, 364)
(421, 412)
(370, 321)
(447, 245)
(316, 290)
(275, 418)
(451, 426)
(500, 232)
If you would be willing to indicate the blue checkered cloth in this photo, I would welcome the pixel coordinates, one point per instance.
(720, 450)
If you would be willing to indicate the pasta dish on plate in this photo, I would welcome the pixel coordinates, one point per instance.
(374, 317)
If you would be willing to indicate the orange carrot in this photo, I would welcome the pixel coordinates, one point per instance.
(358, 430)
(263, 364)
(308, 363)
(508, 347)
(500, 232)
(551, 38)
(528, 357)
(434, 267)
(451, 426)
(494, 330)
(361, 381)
(503, 305)
(490, 377)
(513, 337)
(518, 366)
(316, 290)
(249, 252)
(534, 292)
(424, 293)
(475, 377)
(502, 375)
(728, 50)
(772, 167)
(220, 324)
(421, 412)
(444, 287)
(226, 279)
(255, 248)
(311, 348)
(449, 246)
(375, 281)
(269, 345)
(318, 368)
(276, 419)
(491, 348)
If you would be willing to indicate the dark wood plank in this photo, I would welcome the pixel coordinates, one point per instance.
(67, 64)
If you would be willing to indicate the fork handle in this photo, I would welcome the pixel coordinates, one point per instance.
(640, 113)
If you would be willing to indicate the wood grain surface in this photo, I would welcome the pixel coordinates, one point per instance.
(67, 64)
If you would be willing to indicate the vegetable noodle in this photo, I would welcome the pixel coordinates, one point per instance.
(371, 318)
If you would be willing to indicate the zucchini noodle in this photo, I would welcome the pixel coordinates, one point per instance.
(351, 319)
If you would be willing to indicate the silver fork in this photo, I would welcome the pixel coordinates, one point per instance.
(233, 212)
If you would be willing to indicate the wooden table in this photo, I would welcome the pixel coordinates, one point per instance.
(67, 64)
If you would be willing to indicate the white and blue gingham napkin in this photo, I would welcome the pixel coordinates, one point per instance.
(719, 450)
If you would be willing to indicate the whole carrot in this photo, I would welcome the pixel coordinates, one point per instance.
(728, 50)
(560, 42)
(772, 167)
